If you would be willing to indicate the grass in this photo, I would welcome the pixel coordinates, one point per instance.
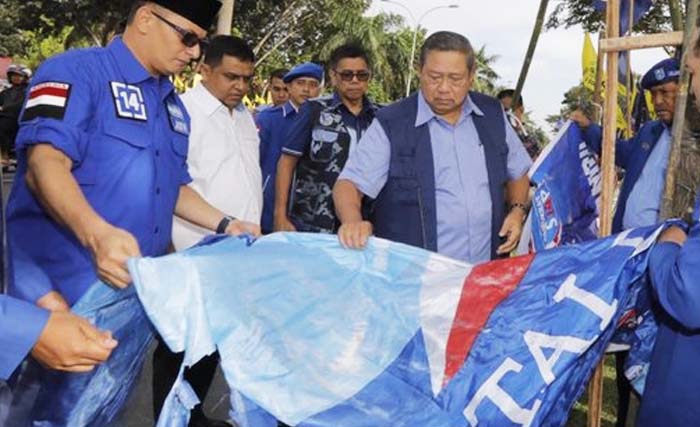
(577, 417)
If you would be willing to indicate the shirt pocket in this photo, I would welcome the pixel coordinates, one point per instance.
(113, 151)
(322, 144)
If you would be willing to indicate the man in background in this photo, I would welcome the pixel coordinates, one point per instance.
(304, 81)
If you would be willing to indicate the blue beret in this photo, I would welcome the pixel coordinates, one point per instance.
(307, 69)
(665, 71)
(200, 12)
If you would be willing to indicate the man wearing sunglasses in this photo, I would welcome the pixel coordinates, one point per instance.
(102, 150)
(318, 144)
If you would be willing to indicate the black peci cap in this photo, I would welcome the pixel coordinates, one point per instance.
(201, 12)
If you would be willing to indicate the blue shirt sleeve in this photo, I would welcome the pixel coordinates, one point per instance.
(21, 324)
(518, 160)
(368, 165)
(674, 273)
(593, 137)
(299, 134)
(68, 133)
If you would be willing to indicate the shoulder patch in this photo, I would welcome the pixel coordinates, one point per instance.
(47, 99)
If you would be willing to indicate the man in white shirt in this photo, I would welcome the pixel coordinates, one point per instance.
(223, 160)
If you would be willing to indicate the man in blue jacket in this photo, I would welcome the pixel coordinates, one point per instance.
(671, 396)
(645, 156)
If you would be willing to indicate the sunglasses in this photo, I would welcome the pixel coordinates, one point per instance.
(348, 75)
(188, 38)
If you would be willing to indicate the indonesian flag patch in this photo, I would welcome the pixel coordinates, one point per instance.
(47, 100)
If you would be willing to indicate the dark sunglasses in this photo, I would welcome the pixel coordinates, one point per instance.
(347, 75)
(188, 38)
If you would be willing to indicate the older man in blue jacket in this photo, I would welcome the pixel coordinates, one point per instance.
(671, 397)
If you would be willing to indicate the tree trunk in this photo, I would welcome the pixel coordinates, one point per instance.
(676, 15)
(683, 176)
(225, 17)
(530, 50)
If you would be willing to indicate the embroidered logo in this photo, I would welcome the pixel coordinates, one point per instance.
(128, 101)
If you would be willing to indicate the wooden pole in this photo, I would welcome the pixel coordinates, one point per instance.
(628, 76)
(539, 22)
(641, 42)
(682, 175)
(595, 397)
(225, 22)
(598, 91)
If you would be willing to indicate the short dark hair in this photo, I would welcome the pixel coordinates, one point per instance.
(279, 73)
(445, 41)
(508, 93)
(138, 4)
(348, 50)
(227, 45)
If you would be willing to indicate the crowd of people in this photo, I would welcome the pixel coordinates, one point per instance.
(113, 164)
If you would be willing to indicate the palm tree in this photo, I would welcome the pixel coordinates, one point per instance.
(486, 77)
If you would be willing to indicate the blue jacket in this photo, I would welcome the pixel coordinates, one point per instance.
(671, 397)
(405, 210)
(631, 155)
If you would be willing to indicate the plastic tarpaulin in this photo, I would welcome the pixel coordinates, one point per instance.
(393, 335)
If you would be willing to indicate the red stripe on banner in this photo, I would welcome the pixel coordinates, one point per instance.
(485, 287)
(48, 90)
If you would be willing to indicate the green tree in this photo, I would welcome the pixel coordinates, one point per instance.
(568, 13)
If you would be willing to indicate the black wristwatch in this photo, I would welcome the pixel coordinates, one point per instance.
(223, 224)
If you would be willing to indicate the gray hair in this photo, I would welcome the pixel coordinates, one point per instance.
(446, 41)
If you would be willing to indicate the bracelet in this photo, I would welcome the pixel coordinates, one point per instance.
(223, 224)
(521, 206)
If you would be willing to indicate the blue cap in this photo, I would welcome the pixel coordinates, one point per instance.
(665, 71)
(307, 69)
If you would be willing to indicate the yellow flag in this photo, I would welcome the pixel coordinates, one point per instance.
(589, 64)
(589, 61)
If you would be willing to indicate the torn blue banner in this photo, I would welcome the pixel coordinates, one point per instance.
(316, 335)
(321, 336)
(567, 183)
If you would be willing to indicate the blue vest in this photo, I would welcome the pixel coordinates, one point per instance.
(405, 209)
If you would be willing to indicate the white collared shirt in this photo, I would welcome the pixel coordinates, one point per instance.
(223, 160)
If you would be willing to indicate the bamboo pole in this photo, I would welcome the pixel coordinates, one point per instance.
(676, 15)
(539, 22)
(595, 397)
(675, 203)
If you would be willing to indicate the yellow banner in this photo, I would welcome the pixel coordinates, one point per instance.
(589, 63)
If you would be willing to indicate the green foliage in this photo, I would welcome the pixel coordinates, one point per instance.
(40, 46)
(486, 77)
(91, 22)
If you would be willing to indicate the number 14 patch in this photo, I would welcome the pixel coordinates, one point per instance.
(128, 101)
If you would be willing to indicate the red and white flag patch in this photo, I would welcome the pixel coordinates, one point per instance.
(48, 99)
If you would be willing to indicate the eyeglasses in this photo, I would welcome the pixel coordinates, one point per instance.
(188, 38)
(347, 75)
